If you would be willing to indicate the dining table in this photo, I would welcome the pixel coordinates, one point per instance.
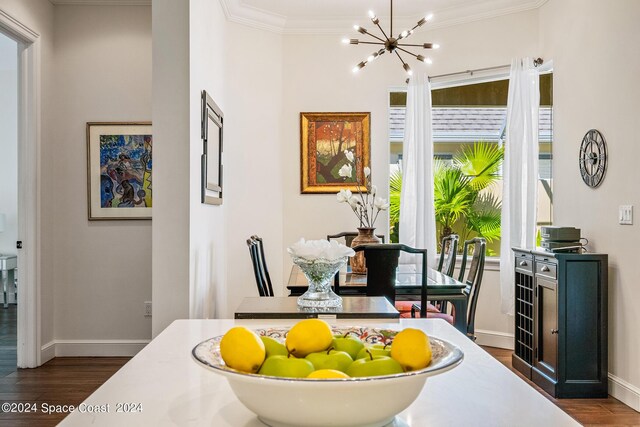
(164, 386)
(440, 287)
(353, 307)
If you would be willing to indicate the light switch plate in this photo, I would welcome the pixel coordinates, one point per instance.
(625, 215)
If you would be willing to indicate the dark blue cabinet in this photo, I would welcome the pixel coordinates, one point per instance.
(561, 321)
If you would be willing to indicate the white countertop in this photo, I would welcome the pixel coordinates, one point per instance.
(174, 391)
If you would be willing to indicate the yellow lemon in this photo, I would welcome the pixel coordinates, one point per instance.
(327, 373)
(411, 349)
(308, 336)
(242, 349)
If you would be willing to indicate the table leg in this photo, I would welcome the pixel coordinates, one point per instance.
(5, 279)
(460, 305)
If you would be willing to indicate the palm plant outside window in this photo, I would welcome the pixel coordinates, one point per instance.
(468, 125)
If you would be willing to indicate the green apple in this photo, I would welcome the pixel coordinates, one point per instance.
(330, 359)
(376, 350)
(273, 347)
(286, 366)
(349, 344)
(373, 366)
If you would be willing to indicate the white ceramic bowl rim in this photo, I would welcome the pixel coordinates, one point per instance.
(446, 356)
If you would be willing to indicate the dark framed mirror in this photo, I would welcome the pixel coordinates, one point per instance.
(211, 161)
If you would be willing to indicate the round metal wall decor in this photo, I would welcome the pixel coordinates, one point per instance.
(593, 158)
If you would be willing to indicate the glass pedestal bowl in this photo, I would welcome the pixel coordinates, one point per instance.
(319, 272)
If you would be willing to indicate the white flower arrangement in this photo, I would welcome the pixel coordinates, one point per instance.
(319, 249)
(367, 205)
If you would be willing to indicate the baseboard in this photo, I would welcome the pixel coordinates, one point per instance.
(92, 348)
(47, 352)
(624, 392)
(494, 339)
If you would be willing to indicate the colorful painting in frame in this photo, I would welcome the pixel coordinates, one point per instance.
(119, 169)
(324, 137)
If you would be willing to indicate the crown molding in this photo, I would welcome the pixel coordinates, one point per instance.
(239, 12)
(102, 2)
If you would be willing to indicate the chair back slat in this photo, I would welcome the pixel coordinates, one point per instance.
(448, 252)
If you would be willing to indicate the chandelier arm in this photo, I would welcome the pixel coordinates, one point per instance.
(415, 45)
(406, 51)
(376, 43)
(385, 34)
(409, 32)
(375, 37)
(399, 57)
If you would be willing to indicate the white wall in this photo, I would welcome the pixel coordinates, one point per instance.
(9, 143)
(101, 269)
(208, 261)
(221, 59)
(38, 16)
(170, 242)
(593, 45)
(253, 155)
(317, 77)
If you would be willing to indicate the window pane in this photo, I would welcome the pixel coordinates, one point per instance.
(468, 132)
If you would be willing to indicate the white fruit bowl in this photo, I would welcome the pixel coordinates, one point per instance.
(354, 402)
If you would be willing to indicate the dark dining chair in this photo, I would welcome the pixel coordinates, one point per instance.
(446, 265)
(348, 239)
(263, 280)
(382, 263)
(472, 281)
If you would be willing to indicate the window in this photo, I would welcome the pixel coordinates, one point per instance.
(468, 135)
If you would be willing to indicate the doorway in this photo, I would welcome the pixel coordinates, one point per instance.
(28, 348)
(8, 203)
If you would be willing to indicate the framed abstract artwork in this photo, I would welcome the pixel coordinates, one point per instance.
(119, 166)
(211, 160)
(324, 138)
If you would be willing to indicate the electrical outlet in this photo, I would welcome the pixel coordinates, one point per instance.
(625, 215)
(147, 309)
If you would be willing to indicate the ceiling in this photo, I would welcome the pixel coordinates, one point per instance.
(338, 16)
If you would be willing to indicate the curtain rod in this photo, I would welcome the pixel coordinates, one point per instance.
(536, 62)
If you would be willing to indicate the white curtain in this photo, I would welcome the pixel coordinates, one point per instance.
(520, 172)
(417, 214)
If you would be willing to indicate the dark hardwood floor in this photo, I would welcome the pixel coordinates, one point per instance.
(61, 381)
(8, 339)
(70, 380)
(588, 412)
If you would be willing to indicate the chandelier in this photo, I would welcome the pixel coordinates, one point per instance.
(391, 44)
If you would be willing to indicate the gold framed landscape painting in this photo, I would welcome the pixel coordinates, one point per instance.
(324, 138)
(119, 165)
